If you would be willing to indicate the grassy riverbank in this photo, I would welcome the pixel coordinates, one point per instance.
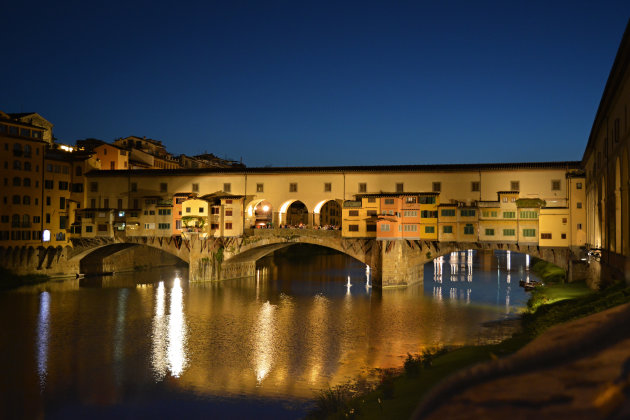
(398, 392)
(10, 280)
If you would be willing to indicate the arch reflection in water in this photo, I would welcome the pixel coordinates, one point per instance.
(42, 338)
(169, 333)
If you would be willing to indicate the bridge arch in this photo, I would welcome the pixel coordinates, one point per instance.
(365, 251)
(126, 256)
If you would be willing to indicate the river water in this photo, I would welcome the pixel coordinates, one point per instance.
(151, 344)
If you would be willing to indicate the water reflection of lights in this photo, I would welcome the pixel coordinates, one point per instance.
(119, 333)
(159, 334)
(43, 333)
(169, 333)
(264, 354)
(176, 332)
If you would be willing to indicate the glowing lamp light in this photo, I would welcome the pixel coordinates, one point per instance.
(46, 235)
(265, 208)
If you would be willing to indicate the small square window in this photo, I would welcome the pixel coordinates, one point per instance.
(563, 235)
(327, 187)
(293, 187)
(555, 185)
(515, 186)
(227, 187)
(475, 186)
(163, 187)
(195, 187)
(260, 188)
(437, 186)
(400, 187)
(578, 205)
(134, 187)
(578, 185)
(362, 187)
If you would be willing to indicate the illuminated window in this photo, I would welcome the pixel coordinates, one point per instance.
(46, 235)
(260, 188)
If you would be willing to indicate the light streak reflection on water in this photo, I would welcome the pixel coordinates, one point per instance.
(169, 338)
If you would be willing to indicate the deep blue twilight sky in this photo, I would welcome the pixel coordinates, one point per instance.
(310, 83)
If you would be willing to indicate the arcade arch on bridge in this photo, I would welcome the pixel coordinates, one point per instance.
(328, 213)
(294, 213)
(259, 213)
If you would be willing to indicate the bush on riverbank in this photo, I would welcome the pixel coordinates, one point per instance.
(10, 280)
(548, 272)
(557, 304)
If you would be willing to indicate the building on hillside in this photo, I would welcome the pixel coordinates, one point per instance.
(21, 216)
(112, 157)
(147, 153)
(59, 210)
(208, 160)
(606, 162)
(36, 120)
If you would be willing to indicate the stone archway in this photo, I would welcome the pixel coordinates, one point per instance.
(259, 214)
(294, 213)
(327, 214)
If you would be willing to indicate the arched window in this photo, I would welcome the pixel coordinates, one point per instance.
(26, 221)
(15, 220)
(16, 199)
(17, 164)
(27, 166)
(26, 200)
(27, 149)
(17, 181)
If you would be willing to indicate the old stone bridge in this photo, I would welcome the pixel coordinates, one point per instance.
(392, 263)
